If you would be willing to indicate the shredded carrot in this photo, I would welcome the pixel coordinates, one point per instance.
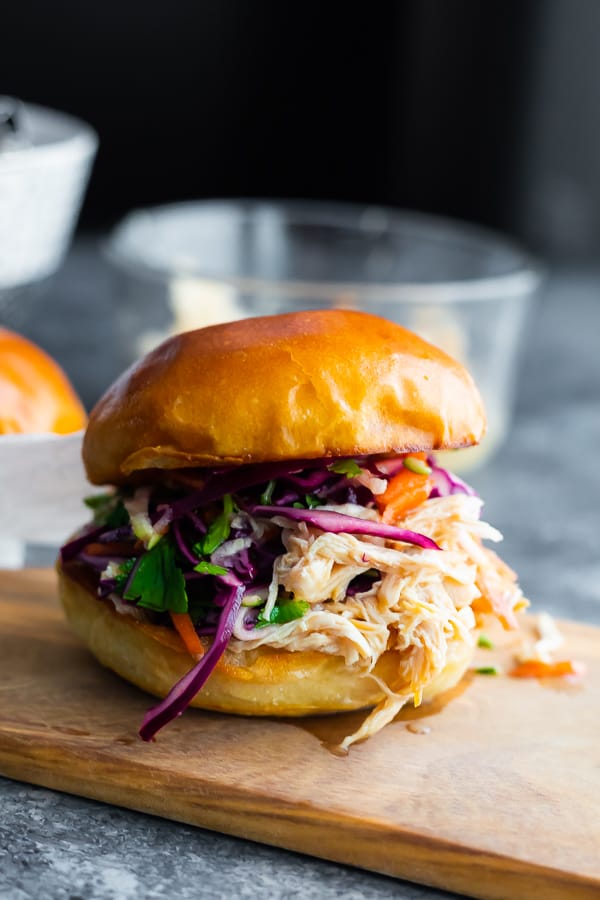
(535, 668)
(160, 633)
(405, 491)
(187, 633)
(113, 548)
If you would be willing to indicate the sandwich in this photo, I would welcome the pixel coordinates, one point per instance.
(278, 538)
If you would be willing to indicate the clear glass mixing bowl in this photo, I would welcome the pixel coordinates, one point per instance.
(459, 286)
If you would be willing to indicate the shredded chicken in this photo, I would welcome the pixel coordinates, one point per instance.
(535, 658)
(422, 601)
(550, 639)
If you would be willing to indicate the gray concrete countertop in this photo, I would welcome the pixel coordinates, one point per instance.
(542, 490)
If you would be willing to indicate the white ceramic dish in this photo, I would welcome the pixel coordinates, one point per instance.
(42, 484)
(42, 184)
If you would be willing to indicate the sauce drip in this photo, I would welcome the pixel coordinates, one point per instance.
(331, 729)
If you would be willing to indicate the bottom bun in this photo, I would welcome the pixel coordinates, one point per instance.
(261, 682)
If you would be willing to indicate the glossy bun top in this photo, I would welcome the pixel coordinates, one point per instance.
(295, 386)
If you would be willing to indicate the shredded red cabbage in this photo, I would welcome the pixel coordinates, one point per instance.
(305, 475)
(388, 467)
(182, 694)
(182, 546)
(339, 523)
(73, 548)
(361, 584)
(106, 587)
(229, 481)
(122, 533)
(447, 483)
(238, 561)
(99, 562)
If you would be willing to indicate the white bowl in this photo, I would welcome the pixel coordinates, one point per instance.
(42, 485)
(42, 183)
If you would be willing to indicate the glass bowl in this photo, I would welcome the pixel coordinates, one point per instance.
(461, 287)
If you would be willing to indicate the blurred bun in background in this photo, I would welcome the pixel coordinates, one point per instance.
(35, 394)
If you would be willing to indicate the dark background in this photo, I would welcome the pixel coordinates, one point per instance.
(482, 110)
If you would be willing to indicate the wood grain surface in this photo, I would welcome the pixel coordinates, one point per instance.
(495, 794)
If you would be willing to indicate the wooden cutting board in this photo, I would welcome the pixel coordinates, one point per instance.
(496, 794)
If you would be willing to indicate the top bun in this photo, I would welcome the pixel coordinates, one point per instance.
(297, 386)
(35, 394)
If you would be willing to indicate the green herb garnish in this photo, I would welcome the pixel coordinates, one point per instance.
(207, 568)
(347, 467)
(158, 583)
(487, 670)
(418, 466)
(309, 502)
(108, 510)
(218, 531)
(265, 497)
(99, 501)
(284, 611)
(484, 641)
(124, 569)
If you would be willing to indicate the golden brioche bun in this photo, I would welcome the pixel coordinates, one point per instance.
(35, 394)
(259, 682)
(297, 386)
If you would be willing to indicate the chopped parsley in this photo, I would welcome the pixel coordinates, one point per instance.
(487, 670)
(267, 494)
(157, 582)
(109, 510)
(284, 611)
(218, 531)
(124, 570)
(310, 502)
(207, 568)
(484, 641)
(347, 467)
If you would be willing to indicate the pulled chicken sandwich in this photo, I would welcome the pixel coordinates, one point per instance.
(278, 538)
